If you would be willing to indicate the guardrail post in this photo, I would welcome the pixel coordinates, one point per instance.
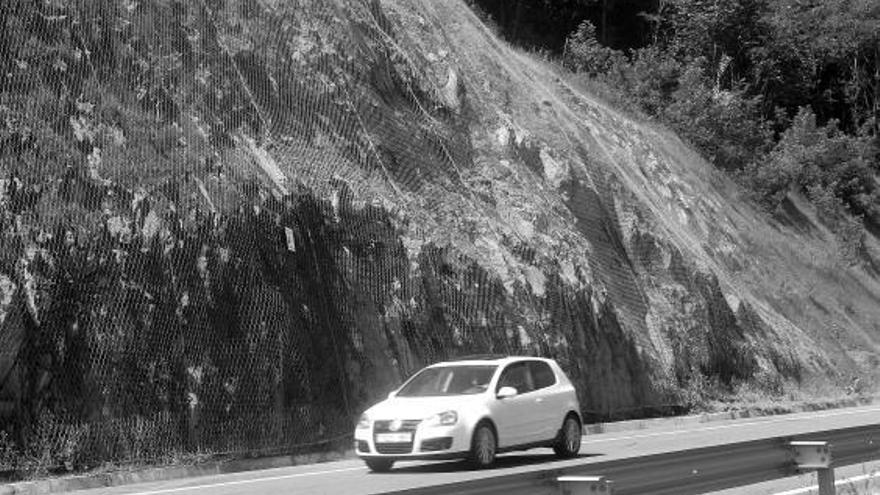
(815, 456)
(826, 481)
(584, 485)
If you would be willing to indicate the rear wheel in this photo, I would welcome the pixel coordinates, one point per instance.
(568, 444)
(483, 446)
(379, 465)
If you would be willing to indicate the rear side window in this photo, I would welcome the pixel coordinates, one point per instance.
(542, 374)
(517, 375)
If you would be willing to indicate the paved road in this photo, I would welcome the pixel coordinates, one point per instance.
(352, 478)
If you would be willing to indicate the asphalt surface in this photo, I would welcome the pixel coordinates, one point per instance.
(352, 478)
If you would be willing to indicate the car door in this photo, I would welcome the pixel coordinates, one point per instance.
(514, 415)
(549, 407)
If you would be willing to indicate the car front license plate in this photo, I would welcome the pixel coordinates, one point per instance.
(393, 437)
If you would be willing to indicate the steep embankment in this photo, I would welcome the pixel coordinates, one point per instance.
(698, 278)
(229, 225)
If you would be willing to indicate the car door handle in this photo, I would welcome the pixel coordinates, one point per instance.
(539, 399)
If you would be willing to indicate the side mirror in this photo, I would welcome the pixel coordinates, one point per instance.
(392, 393)
(506, 393)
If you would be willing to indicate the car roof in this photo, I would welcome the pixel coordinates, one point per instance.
(497, 359)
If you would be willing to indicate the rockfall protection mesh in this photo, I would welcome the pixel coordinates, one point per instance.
(226, 226)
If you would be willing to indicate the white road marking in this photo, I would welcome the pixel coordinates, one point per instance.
(244, 482)
(592, 439)
(856, 479)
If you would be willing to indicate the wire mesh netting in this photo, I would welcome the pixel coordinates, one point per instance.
(230, 225)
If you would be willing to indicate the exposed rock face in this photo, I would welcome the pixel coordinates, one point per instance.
(230, 225)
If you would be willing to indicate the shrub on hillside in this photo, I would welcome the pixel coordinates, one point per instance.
(650, 77)
(725, 125)
(809, 157)
(848, 229)
(832, 168)
(583, 52)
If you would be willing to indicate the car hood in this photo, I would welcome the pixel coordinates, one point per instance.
(422, 407)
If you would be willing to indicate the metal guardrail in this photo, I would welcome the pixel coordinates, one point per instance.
(815, 455)
(686, 472)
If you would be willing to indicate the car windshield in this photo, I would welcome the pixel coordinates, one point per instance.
(449, 380)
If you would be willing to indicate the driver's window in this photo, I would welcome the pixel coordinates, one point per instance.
(516, 375)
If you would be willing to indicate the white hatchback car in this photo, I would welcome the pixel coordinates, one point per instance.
(473, 408)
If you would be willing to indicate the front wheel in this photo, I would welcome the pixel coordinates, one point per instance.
(379, 465)
(483, 446)
(568, 444)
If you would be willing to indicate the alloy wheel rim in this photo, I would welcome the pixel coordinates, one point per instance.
(572, 436)
(485, 446)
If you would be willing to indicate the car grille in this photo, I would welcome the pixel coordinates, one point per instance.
(408, 425)
(394, 448)
(383, 426)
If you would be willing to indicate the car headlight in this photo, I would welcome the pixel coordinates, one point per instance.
(446, 418)
(363, 422)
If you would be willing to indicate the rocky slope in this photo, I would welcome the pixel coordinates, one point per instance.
(230, 225)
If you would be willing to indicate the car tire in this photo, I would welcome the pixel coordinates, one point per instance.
(484, 445)
(379, 465)
(568, 443)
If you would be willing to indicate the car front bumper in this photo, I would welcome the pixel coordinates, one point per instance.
(428, 442)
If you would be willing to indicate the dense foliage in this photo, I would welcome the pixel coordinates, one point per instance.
(785, 95)
(545, 23)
